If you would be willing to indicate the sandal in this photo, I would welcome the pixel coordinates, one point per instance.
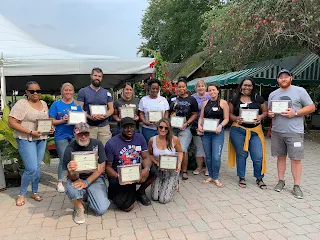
(20, 202)
(208, 180)
(242, 183)
(185, 178)
(261, 184)
(218, 183)
(36, 197)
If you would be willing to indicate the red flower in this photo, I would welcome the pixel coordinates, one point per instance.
(165, 74)
(151, 65)
(156, 61)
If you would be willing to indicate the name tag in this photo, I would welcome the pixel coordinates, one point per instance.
(138, 148)
(243, 105)
(214, 109)
(173, 99)
(108, 94)
(73, 108)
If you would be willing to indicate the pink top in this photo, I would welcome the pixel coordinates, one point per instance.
(28, 116)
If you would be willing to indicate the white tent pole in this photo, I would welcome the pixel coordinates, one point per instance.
(3, 84)
(260, 90)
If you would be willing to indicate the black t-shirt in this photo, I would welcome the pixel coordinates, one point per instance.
(94, 145)
(255, 103)
(183, 107)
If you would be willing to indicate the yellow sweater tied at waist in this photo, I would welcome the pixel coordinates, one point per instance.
(232, 151)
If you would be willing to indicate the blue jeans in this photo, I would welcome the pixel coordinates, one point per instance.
(31, 153)
(185, 137)
(61, 146)
(237, 136)
(148, 133)
(97, 195)
(212, 145)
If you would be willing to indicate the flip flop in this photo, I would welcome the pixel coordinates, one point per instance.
(20, 202)
(36, 197)
(208, 180)
(218, 183)
(185, 178)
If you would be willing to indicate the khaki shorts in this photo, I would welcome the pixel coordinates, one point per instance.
(101, 133)
(291, 144)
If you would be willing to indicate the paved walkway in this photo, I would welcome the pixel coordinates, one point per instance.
(198, 211)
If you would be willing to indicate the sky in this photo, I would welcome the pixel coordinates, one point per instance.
(106, 27)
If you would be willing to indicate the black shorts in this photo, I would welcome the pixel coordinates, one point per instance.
(123, 196)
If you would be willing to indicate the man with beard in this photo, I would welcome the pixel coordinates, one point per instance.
(288, 129)
(128, 148)
(90, 186)
(94, 94)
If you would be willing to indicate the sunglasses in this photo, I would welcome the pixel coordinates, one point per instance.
(86, 134)
(162, 127)
(34, 91)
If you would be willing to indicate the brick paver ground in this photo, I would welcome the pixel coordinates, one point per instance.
(198, 211)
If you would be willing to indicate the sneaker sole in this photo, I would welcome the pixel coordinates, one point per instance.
(278, 190)
(80, 222)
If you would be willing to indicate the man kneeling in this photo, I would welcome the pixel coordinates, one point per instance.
(86, 184)
(124, 149)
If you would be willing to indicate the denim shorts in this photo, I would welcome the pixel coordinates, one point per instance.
(185, 137)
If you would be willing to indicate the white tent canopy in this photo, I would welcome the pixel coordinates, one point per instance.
(22, 55)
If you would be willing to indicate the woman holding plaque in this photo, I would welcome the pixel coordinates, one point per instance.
(59, 113)
(213, 117)
(126, 101)
(162, 145)
(201, 96)
(184, 110)
(31, 142)
(152, 108)
(246, 133)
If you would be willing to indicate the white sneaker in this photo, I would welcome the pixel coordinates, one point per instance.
(60, 188)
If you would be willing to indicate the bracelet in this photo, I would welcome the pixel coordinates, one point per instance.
(221, 125)
(180, 161)
(87, 182)
(30, 133)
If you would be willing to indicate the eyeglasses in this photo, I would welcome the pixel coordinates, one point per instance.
(86, 134)
(247, 85)
(163, 127)
(34, 91)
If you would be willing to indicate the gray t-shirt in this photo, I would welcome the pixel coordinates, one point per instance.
(299, 98)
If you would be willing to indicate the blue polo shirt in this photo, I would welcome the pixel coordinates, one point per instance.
(57, 111)
(90, 96)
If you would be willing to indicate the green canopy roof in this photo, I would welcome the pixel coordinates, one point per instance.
(306, 71)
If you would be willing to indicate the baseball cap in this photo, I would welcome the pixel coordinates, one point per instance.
(284, 71)
(81, 127)
(127, 120)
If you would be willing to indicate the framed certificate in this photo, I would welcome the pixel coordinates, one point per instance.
(98, 110)
(129, 173)
(210, 125)
(76, 117)
(87, 161)
(155, 116)
(279, 106)
(168, 162)
(177, 122)
(127, 112)
(44, 125)
(249, 115)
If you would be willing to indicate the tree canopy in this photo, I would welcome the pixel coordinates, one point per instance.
(242, 31)
(174, 27)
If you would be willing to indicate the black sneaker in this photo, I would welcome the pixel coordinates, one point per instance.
(143, 199)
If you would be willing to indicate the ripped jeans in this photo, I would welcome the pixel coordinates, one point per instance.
(212, 145)
(185, 137)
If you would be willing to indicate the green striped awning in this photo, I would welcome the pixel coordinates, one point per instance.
(307, 71)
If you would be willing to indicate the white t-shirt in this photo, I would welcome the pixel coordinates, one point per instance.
(147, 104)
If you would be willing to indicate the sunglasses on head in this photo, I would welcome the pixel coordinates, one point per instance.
(34, 91)
(163, 127)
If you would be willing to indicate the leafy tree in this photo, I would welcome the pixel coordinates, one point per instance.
(174, 27)
(243, 31)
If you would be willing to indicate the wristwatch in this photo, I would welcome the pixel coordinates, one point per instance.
(295, 113)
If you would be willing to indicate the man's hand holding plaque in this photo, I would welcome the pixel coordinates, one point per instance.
(87, 161)
(129, 174)
(279, 106)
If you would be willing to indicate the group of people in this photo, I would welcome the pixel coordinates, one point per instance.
(159, 138)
